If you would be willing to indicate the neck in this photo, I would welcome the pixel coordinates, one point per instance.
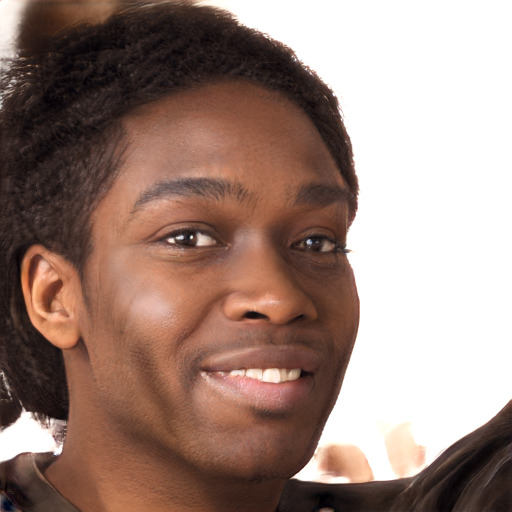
(100, 475)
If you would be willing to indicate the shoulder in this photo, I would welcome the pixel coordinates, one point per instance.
(23, 487)
(12, 492)
(300, 496)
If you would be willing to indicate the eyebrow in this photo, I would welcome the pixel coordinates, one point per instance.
(212, 188)
(315, 194)
(321, 195)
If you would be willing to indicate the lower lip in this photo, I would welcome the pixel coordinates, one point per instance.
(265, 396)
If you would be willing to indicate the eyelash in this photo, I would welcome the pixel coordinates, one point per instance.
(337, 248)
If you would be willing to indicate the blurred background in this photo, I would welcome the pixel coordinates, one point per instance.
(425, 87)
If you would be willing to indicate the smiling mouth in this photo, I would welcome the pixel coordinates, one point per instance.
(269, 375)
(270, 378)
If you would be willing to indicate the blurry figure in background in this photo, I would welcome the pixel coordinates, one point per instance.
(44, 19)
(348, 463)
(343, 462)
(406, 457)
(473, 475)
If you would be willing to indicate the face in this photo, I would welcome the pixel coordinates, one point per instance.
(221, 308)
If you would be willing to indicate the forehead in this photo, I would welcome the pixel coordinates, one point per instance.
(234, 131)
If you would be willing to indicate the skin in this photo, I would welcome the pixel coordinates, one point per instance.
(219, 246)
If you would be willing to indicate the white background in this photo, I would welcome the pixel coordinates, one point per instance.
(426, 89)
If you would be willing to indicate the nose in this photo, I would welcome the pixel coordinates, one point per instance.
(264, 289)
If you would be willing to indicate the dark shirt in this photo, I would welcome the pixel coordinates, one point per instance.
(24, 487)
(473, 475)
(27, 490)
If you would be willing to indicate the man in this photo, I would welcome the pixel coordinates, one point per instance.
(176, 195)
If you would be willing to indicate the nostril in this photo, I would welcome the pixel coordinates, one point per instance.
(254, 315)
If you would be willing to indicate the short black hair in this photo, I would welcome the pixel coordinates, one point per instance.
(60, 134)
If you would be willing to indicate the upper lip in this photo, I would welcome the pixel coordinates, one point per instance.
(267, 356)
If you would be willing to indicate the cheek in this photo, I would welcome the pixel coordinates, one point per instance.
(134, 340)
(144, 309)
(339, 302)
(342, 310)
(350, 307)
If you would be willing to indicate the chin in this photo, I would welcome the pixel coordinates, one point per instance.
(267, 472)
(267, 462)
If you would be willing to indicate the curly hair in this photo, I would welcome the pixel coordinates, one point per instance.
(60, 134)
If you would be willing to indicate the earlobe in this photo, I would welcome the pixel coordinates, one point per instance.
(52, 291)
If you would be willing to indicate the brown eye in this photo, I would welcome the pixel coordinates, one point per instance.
(317, 244)
(190, 238)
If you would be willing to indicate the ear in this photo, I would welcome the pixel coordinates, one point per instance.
(52, 291)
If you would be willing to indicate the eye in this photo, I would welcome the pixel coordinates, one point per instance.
(190, 238)
(318, 243)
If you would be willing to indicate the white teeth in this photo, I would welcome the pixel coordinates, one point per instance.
(294, 374)
(254, 373)
(272, 375)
